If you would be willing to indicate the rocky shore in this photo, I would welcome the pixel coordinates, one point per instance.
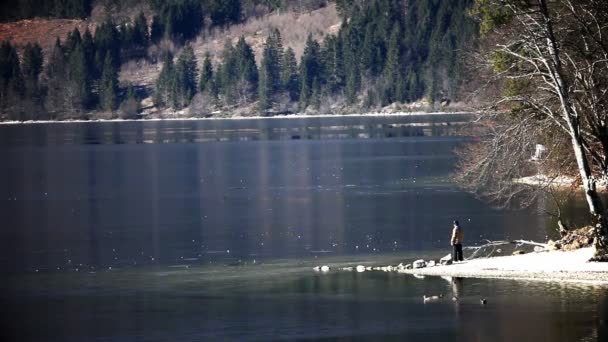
(562, 266)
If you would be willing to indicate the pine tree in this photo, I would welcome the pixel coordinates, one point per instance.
(246, 67)
(246, 70)
(305, 88)
(141, 37)
(181, 20)
(31, 69)
(11, 81)
(401, 92)
(315, 96)
(185, 78)
(157, 30)
(88, 46)
(73, 40)
(352, 73)
(310, 68)
(32, 61)
(289, 78)
(206, 83)
(107, 40)
(227, 76)
(125, 36)
(108, 88)
(165, 82)
(352, 61)
(265, 85)
(333, 64)
(274, 45)
(56, 75)
(78, 86)
(270, 70)
(392, 67)
(415, 89)
(369, 53)
(353, 82)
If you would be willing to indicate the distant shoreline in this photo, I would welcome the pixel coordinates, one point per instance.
(277, 117)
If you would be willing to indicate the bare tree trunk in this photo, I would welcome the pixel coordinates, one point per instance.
(594, 202)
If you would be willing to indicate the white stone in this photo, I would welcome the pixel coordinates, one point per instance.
(445, 258)
(419, 264)
(538, 249)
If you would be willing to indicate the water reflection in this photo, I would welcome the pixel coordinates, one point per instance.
(457, 292)
(196, 131)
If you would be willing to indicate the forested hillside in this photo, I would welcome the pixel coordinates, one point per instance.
(383, 52)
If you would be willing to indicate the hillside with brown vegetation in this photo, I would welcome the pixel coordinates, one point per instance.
(41, 31)
(294, 28)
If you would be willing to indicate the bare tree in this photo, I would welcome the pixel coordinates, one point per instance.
(498, 166)
(553, 58)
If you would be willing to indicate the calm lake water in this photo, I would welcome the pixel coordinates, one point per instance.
(208, 230)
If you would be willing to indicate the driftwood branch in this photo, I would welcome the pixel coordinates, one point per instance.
(490, 247)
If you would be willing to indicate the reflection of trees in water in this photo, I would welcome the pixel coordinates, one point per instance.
(457, 288)
(572, 209)
(345, 127)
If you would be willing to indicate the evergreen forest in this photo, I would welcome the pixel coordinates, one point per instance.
(385, 51)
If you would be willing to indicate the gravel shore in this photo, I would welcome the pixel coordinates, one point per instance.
(572, 266)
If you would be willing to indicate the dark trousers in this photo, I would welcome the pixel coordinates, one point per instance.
(457, 253)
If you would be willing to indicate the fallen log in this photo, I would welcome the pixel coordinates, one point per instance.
(494, 244)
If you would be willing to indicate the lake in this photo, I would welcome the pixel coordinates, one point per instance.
(209, 230)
